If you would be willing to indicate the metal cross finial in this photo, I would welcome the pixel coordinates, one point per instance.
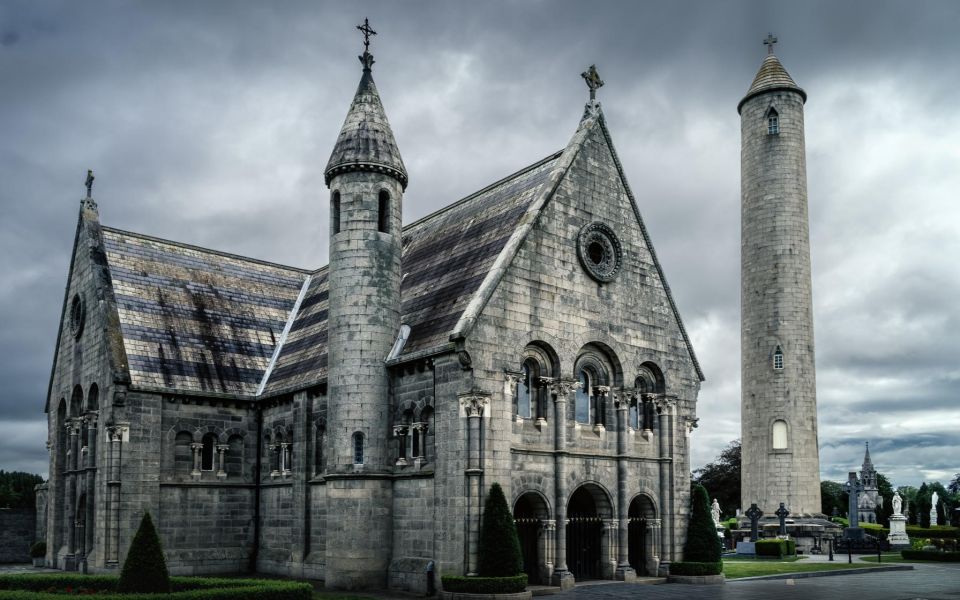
(769, 42)
(89, 183)
(593, 81)
(367, 32)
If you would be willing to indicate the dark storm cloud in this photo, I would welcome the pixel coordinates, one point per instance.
(211, 123)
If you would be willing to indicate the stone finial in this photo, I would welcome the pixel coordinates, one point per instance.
(89, 183)
(593, 81)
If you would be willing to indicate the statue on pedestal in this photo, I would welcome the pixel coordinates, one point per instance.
(898, 525)
(933, 509)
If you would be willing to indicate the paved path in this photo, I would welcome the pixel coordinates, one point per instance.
(926, 582)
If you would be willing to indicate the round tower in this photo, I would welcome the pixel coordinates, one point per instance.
(781, 461)
(366, 177)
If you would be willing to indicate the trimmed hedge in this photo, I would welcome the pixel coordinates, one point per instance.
(38, 550)
(145, 569)
(52, 587)
(927, 555)
(500, 554)
(696, 568)
(484, 585)
(778, 548)
(933, 532)
(702, 545)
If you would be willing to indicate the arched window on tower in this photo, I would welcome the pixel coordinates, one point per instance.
(779, 435)
(358, 448)
(383, 212)
(778, 359)
(335, 213)
(773, 122)
(525, 388)
(582, 399)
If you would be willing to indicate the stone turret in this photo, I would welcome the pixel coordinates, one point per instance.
(366, 177)
(781, 460)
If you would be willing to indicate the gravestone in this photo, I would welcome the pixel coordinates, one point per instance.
(782, 513)
(754, 514)
(853, 487)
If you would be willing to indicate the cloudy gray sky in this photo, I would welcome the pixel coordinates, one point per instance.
(211, 122)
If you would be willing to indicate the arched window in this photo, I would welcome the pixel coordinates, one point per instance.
(525, 388)
(93, 398)
(634, 415)
(779, 435)
(773, 122)
(383, 212)
(207, 452)
(335, 213)
(778, 359)
(582, 399)
(358, 448)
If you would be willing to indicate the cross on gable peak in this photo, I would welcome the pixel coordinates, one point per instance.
(593, 81)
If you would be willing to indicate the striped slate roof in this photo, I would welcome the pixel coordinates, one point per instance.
(196, 320)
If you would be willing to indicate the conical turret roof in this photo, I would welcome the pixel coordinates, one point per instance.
(771, 76)
(366, 141)
(866, 457)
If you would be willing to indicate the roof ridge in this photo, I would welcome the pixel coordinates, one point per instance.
(188, 246)
(483, 190)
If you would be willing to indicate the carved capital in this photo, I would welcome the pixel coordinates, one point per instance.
(564, 387)
(421, 427)
(400, 430)
(622, 399)
(223, 447)
(545, 382)
(474, 404)
(512, 378)
(196, 446)
(691, 423)
(549, 524)
(664, 404)
(601, 390)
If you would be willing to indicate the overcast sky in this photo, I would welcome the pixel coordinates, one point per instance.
(211, 122)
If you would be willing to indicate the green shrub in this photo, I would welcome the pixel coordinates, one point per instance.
(38, 550)
(484, 585)
(53, 586)
(499, 550)
(778, 548)
(696, 568)
(933, 532)
(934, 556)
(145, 569)
(702, 545)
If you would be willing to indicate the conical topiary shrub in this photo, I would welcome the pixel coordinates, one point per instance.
(145, 569)
(500, 554)
(702, 542)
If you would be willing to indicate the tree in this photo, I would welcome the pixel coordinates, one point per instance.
(721, 478)
(702, 542)
(832, 498)
(923, 505)
(500, 554)
(145, 569)
(886, 493)
(16, 489)
(954, 486)
(909, 495)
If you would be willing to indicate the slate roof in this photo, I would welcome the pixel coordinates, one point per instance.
(366, 141)
(771, 76)
(197, 320)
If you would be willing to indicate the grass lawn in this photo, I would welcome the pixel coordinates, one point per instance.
(889, 558)
(735, 569)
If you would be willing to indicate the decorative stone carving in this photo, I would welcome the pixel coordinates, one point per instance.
(474, 404)
(599, 251)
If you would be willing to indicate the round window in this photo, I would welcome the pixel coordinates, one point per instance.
(78, 314)
(599, 251)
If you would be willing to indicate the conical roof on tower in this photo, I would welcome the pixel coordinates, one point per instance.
(771, 77)
(866, 458)
(366, 141)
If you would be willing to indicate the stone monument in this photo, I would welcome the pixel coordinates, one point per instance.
(933, 509)
(753, 513)
(853, 487)
(782, 514)
(898, 525)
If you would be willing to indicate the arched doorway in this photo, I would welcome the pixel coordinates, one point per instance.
(640, 534)
(584, 536)
(528, 514)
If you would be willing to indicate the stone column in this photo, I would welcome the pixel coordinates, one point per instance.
(285, 459)
(547, 539)
(221, 460)
(653, 543)
(624, 571)
(420, 435)
(666, 485)
(91, 474)
(115, 437)
(400, 432)
(561, 392)
(600, 393)
(473, 406)
(196, 447)
(511, 380)
(73, 461)
(609, 552)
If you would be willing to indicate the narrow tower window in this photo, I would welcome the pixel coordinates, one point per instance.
(779, 435)
(582, 398)
(335, 213)
(773, 122)
(358, 448)
(778, 359)
(383, 215)
(206, 452)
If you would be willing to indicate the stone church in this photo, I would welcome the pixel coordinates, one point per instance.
(345, 422)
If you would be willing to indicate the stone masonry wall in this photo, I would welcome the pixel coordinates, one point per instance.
(17, 529)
